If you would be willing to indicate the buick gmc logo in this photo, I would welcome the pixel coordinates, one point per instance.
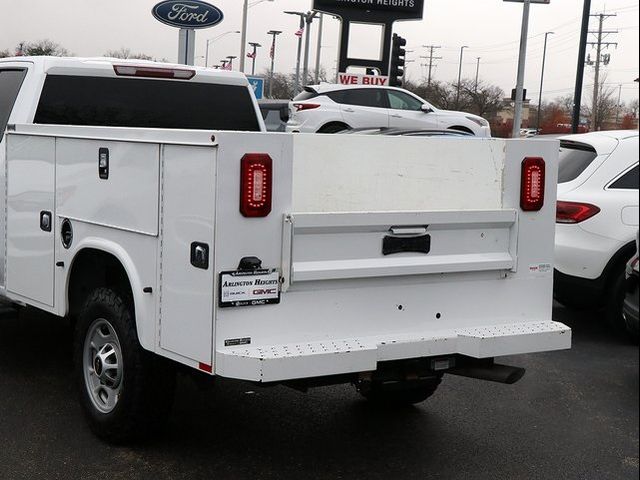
(187, 14)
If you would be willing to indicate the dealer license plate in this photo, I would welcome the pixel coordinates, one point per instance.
(245, 288)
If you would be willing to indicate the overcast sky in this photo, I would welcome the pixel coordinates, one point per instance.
(491, 29)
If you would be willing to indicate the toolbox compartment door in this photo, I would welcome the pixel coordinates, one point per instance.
(31, 223)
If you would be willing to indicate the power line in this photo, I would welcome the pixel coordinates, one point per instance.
(600, 42)
(431, 58)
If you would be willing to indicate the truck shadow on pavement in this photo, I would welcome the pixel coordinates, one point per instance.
(239, 430)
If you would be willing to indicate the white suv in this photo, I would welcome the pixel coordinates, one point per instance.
(329, 108)
(597, 219)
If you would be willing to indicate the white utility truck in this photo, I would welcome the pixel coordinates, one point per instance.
(146, 202)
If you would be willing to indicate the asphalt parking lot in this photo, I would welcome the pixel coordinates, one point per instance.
(573, 416)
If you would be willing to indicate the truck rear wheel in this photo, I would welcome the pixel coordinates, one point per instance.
(125, 392)
(402, 393)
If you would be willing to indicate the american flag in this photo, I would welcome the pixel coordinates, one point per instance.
(251, 55)
(299, 32)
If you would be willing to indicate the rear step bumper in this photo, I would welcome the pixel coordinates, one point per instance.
(275, 363)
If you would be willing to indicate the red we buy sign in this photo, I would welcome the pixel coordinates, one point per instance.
(354, 79)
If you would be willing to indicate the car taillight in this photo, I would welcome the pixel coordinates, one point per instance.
(575, 212)
(153, 72)
(256, 180)
(305, 106)
(532, 184)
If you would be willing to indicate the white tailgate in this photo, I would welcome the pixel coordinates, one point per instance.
(350, 245)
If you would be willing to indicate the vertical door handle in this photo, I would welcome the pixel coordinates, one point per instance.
(200, 255)
(46, 221)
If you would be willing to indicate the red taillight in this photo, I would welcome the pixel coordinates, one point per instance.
(305, 106)
(532, 186)
(575, 212)
(256, 179)
(153, 72)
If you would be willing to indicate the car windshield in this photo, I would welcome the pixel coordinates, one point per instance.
(574, 159)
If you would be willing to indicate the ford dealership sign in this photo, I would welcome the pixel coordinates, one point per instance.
(187, 14)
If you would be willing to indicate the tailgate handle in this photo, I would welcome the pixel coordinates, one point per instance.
(392, 244)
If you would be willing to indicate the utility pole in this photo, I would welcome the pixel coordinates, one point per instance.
(544, 58)
(460, 76)
(319, 48)
(618, 104)
(477, 74)
(431, 58)
(522, 61)
(600, 35)
(582, 52)
(272, 54)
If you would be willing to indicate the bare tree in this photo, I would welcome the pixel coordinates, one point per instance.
(42, 48)
(125, 53)
(5, 53)
(283, 85)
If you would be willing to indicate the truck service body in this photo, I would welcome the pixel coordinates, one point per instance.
(275, 258)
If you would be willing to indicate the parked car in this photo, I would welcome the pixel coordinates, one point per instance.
(329, 108)
(631, 301)
(398, 132)
(597, 219)
(275, 114)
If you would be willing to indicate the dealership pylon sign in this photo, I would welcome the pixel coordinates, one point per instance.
(375, 12)
(187, 15)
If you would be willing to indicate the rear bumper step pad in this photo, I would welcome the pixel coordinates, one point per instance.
(273, 363)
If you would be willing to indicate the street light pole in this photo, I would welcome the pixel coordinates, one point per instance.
(213, 40)
(243, 41)
(231, 58)
(319, 48)
(517, 116)
(308, 18)
(460, 76)
(274, 34)
(254, 56)
(477, 73)
(544, 58)
(302, 16)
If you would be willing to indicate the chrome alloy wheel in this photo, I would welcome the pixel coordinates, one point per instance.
(102, 365)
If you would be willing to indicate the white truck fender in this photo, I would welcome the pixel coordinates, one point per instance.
(144, 305)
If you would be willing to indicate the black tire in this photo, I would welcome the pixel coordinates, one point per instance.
(334, 128)
(146, 383)
(615, 301)
(404, 393)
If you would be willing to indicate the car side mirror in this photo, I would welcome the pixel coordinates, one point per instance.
(426, 108)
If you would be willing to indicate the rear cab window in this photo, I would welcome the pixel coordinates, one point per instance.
(10, 82)
(575, 157)
(145, 103)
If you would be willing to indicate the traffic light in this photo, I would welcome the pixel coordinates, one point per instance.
(398, 60)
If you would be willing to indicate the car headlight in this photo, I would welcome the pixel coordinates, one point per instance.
(479, 120)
